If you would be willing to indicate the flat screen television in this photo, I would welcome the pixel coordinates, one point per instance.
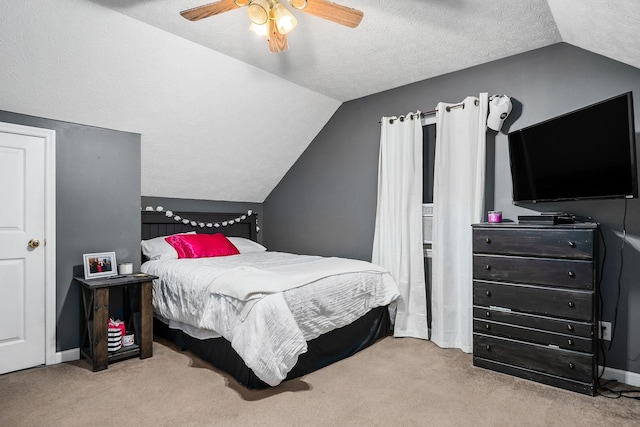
(589, 153)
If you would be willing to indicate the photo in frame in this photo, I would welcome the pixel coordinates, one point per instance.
(101, 264)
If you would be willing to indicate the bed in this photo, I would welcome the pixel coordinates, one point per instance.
(261, 316)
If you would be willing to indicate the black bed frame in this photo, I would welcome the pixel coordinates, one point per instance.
(322, 351)
(156, 224)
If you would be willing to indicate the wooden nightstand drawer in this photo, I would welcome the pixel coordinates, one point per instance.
(562, 326)
(538, 271)
(565, 363)
(576, 244)
(553, 302)
(533, 335)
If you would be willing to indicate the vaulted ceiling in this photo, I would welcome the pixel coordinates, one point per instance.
(404, 41)
(221, 118)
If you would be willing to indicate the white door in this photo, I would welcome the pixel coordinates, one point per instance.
(22, 251)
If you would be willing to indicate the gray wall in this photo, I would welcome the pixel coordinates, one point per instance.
(97, 206)
(190, 205)
(326, 203)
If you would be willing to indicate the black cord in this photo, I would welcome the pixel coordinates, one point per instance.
(617, 394)
(624, 238)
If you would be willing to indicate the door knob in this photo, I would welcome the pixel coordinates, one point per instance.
(34, 243)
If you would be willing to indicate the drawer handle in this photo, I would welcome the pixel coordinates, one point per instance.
(570, 342)
(572, 274)
(487, 240)
(488, 314)
(570, 327)
(571, 365)
(572, 244)
(488, 267)
(488, 293)
(488, 347)
(487, 326)
(571, 304)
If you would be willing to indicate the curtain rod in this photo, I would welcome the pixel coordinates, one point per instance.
(430, 112)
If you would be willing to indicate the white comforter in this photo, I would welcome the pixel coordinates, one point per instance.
(267, 304)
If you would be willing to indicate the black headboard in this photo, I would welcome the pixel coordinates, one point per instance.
(156, 224)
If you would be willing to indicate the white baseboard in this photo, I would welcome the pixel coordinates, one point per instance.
(67, 355)
(626, 377)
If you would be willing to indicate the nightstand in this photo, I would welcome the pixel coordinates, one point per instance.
(137, 291)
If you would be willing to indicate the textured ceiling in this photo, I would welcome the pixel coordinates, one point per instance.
(211, 87)
(607, 27)
(398, 42)
(404, 41)
(437, 36)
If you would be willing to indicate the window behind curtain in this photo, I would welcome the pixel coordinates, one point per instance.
(428, 153)
(428, 157)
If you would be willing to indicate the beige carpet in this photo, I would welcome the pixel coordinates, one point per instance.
(396, 382)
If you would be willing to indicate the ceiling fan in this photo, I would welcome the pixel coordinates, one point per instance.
(271, 19)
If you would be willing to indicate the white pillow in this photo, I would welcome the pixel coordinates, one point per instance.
(158, 248)
(246, 246)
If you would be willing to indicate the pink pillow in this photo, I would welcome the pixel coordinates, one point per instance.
(201, 245)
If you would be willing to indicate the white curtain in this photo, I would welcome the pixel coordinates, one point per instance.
(397, 243)
(458, 202)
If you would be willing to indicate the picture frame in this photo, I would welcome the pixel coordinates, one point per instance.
(100, 264)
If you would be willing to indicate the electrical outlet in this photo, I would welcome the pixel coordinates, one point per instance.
(604, 331)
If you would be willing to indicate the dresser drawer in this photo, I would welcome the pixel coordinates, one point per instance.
(564, 363)
(585, 345)
(567, 327)
(588, 388)
(571, 304)
(552, 243)
(539, 271)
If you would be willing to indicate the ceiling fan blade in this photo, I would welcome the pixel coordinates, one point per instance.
(208, 10)
(334, 12)
(277, 42)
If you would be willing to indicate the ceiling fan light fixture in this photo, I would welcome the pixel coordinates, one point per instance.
(285, 21)
(273, 19)
(298, 4)
(258, 11)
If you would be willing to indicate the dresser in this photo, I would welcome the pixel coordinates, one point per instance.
(535, 302)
